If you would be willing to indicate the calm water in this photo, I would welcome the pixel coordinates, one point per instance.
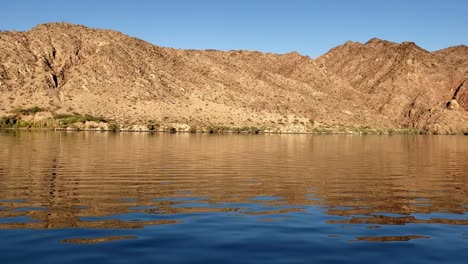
(160, 198)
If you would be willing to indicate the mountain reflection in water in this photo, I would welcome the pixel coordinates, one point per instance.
(52, 180)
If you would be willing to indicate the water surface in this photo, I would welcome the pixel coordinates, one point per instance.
(161, 198)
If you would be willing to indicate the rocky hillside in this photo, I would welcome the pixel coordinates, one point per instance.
(457, 58)
(407, 84)
(68, 69)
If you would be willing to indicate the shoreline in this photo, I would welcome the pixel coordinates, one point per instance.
(264, 132)
(36, 118)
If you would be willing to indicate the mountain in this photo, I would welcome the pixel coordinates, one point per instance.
(71, 69)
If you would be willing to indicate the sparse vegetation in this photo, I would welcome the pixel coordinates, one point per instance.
(152, 126)
(321, 130)
(225, 129)
(218, 129)
(250, 129)
(113, 127)
(68, 119)
(27, 111)
(13, 122)
(193, 129)
(407, 131)
(72, 121)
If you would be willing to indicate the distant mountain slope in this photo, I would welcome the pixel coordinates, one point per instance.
(404, 82)
(69, 68)
(457, 58)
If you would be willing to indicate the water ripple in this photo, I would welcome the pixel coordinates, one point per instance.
(257, 196)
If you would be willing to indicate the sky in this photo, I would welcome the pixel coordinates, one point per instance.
(310, 27)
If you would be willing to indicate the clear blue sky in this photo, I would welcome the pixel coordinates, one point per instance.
(310, 27)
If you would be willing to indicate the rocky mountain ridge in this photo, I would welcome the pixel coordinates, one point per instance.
(73, 70)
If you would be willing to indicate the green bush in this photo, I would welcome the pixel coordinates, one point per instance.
(13, 122)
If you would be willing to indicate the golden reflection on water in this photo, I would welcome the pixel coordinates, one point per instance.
(95, 240)
(63, 180)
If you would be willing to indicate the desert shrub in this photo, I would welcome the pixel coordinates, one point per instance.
(113, 127)
(408, 131)
(61, 116)
(250, 129)
(27, 111)
(96, 119)
(13, 122)
(193, 129)
(7, 121)
(152, 125)
(67, 119)
(424, 132)
(218, 129)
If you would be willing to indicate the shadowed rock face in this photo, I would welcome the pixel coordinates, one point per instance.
(71, 68)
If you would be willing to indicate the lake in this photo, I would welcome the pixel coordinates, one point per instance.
(90, 197)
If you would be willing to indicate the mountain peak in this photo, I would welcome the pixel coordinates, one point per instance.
(413, 46)
(294, 54)
(51, 25)
(374, 40)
